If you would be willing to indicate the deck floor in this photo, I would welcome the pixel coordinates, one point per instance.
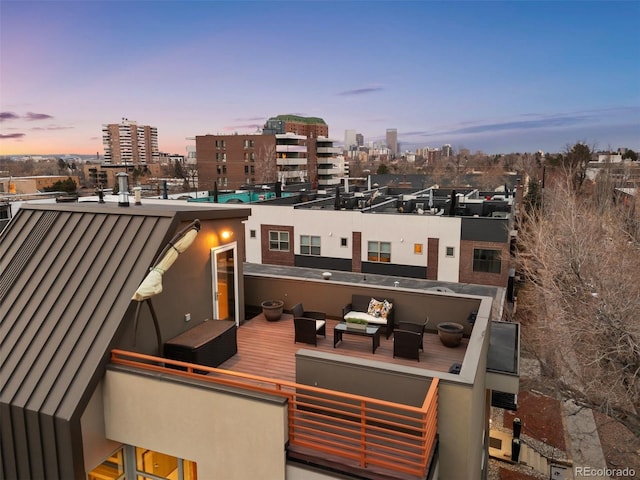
(268, 349)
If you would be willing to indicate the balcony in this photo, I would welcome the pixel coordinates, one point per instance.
(329, 150)
(328, 171)
(350, 433)
(329, 181)
(291, 161)
(291, 149)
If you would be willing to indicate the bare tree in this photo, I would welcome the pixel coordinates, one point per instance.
(266, 164)
(582, 264)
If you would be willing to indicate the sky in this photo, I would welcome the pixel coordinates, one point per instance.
(498, 77)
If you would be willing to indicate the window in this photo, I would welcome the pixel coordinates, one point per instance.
(252, 234)
(486, 260)
(417, 248)
(278, 241)
(343, 242)
(309, 245)
(450, 252)
(246, 169)
(379, 252)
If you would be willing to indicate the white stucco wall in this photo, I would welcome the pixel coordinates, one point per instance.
(403, 231)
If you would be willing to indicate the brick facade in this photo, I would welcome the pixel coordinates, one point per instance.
(467, 275)
(432, 258)
(356, 252)
(270, 257)
(231, 160)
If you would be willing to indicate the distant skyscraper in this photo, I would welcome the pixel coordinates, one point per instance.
(392, 141)
(128, 143)
(359, 140)
(349, 139)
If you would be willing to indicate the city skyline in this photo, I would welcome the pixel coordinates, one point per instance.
(493, 76)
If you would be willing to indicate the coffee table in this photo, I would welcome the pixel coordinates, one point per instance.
(371, 331)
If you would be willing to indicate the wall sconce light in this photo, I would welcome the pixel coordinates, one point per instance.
(226, 234)
(401, 240)
(330, 234)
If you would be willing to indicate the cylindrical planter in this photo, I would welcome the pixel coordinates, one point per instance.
(272, 309)
(450, 333)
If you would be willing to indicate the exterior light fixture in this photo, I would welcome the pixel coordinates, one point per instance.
(226, 234)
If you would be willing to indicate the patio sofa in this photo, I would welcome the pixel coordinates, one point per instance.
(376, 311)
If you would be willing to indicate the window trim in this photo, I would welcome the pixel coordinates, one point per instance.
(307, 243)
(376, 254)
(280, 241)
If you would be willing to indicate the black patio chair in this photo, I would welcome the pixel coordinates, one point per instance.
(406, 344)
(415, 327)
(308, 325)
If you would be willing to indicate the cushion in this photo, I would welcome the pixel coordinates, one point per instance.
(365, 316)
(386, 308)
(375, 308)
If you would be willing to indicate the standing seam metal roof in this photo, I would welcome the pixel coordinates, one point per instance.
(66, 282)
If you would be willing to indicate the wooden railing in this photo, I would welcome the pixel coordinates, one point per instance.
(388, 435)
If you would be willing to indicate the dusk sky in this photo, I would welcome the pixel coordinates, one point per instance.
(493, 76)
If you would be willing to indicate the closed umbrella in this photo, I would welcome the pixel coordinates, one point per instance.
(152, 284)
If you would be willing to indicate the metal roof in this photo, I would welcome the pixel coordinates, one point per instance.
(68, 273)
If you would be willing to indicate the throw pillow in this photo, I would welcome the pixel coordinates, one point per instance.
(375, 308)
(386, 308)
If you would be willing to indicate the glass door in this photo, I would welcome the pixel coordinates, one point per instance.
(225, 282)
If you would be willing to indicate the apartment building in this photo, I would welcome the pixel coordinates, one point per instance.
(232, 161)
(87, 392)
(127, 143)
(414, 234)
(84, 371)
(307, 126)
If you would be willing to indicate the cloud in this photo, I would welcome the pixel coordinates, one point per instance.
(249, 119)
(534, 121)
(52, 127)
(252, 126)
(10, 136)
(360, 91)
(37, 116)
(8, 116)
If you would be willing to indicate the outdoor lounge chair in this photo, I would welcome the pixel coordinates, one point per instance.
(308, 325)
(415, 327)
(406, 344)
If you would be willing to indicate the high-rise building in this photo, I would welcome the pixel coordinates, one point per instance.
(350, 139)
(307, 126)
(359, 140)
(392, 141)
(128, 143)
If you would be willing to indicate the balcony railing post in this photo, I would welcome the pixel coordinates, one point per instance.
(363, 434)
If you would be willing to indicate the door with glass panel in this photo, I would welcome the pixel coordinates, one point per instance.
(225, 282)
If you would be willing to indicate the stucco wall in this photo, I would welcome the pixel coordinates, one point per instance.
(229, 436)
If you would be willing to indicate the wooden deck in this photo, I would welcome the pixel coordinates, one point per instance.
(267, 349)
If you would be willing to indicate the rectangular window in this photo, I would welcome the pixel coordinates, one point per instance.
(379, 252)
(278, 241)
(343, 242)
(486, 260)
(253, 157)
(417, 248)
(251, 144)
(450, 252)
(252, 234)
(309, 245)
(246, 169)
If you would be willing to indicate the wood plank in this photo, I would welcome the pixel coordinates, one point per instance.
(268, 349)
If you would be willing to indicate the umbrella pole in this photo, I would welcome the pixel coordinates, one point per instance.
(156, 325)
(135, 324)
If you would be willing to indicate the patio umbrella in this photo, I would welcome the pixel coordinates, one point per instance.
(152, 284)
